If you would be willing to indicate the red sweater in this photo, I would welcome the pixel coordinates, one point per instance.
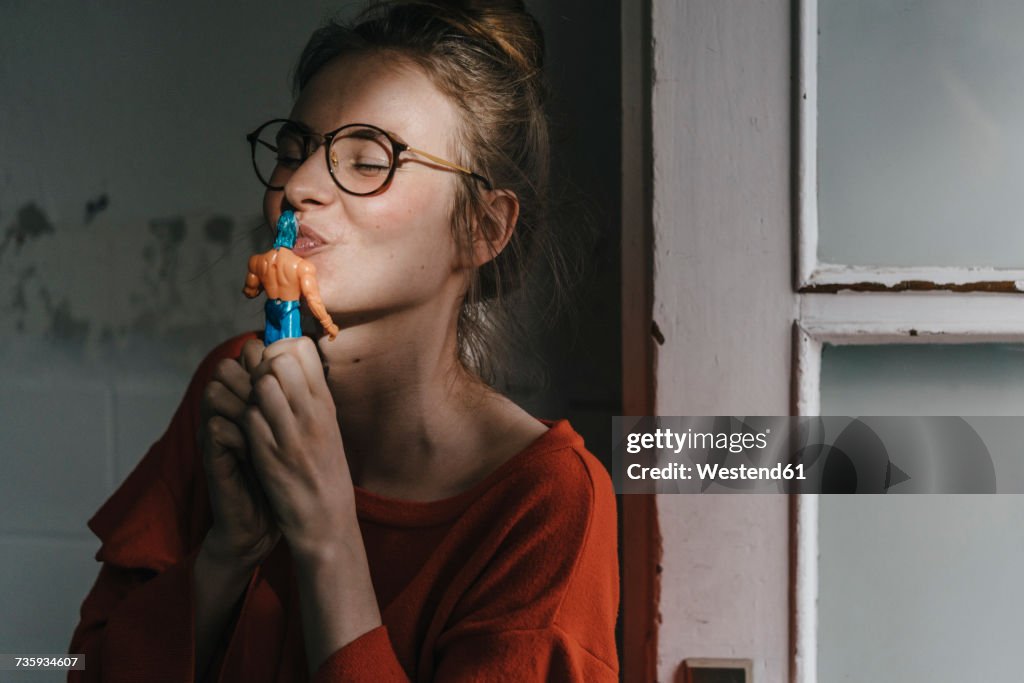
(515, 579)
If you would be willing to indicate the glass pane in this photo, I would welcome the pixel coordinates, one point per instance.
(920, 379)
(921, 132)
(920, 587)
(928, 585)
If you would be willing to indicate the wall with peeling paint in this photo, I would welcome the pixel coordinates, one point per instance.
(127, 210)
(125, 187)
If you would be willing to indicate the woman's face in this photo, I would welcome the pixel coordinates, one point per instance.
(394, 250)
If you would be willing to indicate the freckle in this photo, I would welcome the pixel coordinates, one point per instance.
(422, 267)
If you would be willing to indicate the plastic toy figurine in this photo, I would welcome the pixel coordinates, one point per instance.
(286, 277)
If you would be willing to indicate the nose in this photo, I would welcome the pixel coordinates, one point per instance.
(311, 183)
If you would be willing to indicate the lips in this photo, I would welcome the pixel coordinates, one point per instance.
(307, 240)
(305, 244)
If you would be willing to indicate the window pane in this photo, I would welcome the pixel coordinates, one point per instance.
(920, 587)
(920, 379)
(921, 132)
(920, 581)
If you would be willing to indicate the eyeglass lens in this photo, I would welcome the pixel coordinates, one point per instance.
(360, 157)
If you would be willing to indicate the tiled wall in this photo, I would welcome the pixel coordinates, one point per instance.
(67, 443)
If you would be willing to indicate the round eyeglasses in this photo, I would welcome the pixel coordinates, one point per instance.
(360, 158)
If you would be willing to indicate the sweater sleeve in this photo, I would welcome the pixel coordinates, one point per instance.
(135, 628)
(542, 601)
(137, 622)
(369, 657)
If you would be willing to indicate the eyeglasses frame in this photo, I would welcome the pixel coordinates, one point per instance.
(397, 147)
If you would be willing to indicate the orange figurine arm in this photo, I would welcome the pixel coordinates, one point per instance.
(311, 292)
(252, 281)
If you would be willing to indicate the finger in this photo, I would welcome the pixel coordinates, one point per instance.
(232, 375)
(223, 449)
(263, 447)
(252, 354)
(255, 488)
(276, 410)
(285, 368)
(303, 350)
(225, 433)
(219, 400)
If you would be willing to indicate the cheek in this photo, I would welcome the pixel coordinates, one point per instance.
(416, 223)
(271, 207)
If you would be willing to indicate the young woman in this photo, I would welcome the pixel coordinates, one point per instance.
(368, 508)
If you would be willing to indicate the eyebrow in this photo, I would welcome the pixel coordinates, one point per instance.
(298, 126)
(367, 133)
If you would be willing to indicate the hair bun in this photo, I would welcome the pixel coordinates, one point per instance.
(505, 23)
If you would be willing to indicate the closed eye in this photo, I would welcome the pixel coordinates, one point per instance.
(289, 162)
(370, 169)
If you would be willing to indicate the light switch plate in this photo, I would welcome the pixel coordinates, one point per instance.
(709, 670)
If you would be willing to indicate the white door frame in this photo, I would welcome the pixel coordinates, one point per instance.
(723, 306)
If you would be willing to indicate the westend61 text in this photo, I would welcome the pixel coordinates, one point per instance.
(715, 472)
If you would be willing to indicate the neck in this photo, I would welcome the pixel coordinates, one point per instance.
(401, 397)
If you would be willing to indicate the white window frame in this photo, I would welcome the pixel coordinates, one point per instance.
(870, 318)
(856, 305)
(816, 276)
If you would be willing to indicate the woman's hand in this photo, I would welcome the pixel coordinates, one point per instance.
(296, 448)
(244, 530)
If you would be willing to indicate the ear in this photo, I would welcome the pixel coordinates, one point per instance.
(492, 231)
